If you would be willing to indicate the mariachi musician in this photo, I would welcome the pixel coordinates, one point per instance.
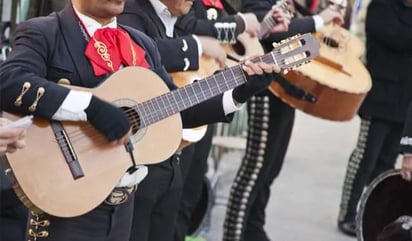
(60, 48)
(270, 124)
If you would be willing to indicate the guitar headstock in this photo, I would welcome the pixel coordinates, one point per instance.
(295, 51)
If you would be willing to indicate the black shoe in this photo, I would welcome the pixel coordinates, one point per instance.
(348, 228)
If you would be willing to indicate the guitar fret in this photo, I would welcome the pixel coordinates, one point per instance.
(190, 88)
(164, 104)
(153, 108)
(208, 86)
(225, 81)
(217, 84)
(147, 111)
(234, 76)
(197, 88)
(181, 98)
(158, 106)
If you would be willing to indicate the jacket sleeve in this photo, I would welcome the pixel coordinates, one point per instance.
(24, 88)
(299, 25)
(178, 54)
(225, 29)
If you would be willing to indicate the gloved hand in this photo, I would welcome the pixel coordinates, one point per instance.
(107, 119)
(259, 76)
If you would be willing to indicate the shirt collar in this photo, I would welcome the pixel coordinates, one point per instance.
(165, 16)
(92, 25)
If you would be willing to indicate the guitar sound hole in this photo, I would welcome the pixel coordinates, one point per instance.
(330, 42)
(133, 118)
(239, 48)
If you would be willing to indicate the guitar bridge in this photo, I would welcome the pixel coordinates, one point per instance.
(67, 150)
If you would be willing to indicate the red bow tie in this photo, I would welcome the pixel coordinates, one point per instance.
(110, 48)
(213, 3)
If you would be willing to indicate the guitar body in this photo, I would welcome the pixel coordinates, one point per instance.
(43, 174)
(337, 38)
(337, 78)
(338, 96)
(244, 48)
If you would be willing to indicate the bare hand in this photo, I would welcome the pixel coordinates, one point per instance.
(11, 139)
(332, 15)
(252, 24)
(211, 47)
(259, 76)
(281, 19)
(406, 170)
(259, 68)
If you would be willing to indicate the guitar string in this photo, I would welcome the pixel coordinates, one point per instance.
(135, 118)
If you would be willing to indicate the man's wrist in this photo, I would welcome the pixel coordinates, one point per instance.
(319, 22)
(229, 103)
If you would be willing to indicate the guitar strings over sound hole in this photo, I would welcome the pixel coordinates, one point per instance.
(239, 48)
(330, 42)
(134, 118)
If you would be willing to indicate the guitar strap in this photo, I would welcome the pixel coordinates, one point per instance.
(295, 91)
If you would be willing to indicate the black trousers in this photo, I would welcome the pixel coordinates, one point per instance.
(194, 167)
(104, 223)
(376, 151)
(156, 202)
(270, 126)
(13, 214)
(13, 222)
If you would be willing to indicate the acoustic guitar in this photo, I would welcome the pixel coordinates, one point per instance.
(68, 168)
(207, 66)
(335, 83)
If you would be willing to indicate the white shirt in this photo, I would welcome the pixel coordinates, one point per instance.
(165, 16)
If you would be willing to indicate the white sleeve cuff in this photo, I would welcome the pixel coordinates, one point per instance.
(72, 108)
(199, 45)
(229, 104)
(318, 22)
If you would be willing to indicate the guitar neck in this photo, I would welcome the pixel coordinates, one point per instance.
(286, 54)
(183, 98)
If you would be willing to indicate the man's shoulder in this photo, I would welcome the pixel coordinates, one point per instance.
(44, 23)
(139, 36)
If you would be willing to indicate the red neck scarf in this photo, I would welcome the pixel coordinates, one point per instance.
(213, 3)
(110, 48)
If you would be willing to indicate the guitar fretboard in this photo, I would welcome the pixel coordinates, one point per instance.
(172, 102)
(286, 54)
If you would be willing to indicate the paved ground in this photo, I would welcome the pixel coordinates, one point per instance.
(305, 198)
